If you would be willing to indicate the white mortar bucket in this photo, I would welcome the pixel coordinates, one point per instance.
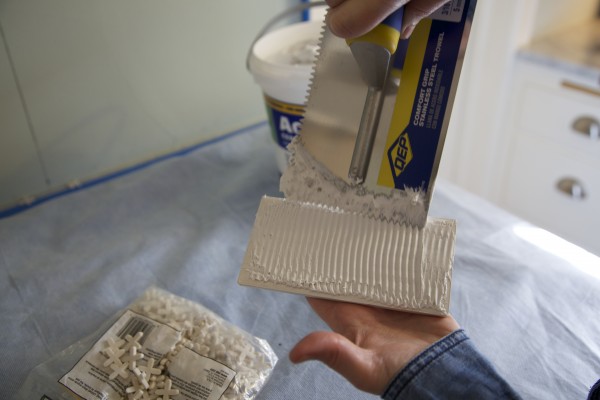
(281, 62)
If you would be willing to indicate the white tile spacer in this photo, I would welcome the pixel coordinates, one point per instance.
(74, 184)
(112, 351)
(167, 392)
(120, 369)
(243, 353)
(132, 358)
(115, 344)
(113, 356)
(132, 341)
(137, 394)
(149, 370)
(141, 378)
(164, 309)
(27, 200)
(133, 388)
(148, 396)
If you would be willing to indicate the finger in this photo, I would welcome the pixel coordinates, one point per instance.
(334, 3)
(322, 307)
(341, 355)
(415, 11)
(341, 316)
(352, 18)
(321, 346)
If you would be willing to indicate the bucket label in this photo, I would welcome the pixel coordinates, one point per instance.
(285, 120)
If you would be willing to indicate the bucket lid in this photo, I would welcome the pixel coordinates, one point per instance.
(286, 53)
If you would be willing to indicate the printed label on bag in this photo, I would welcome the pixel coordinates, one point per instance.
(90, 378)
(198, 377)
(112, 370)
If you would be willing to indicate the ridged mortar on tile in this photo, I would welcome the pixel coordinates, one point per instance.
(321, 251)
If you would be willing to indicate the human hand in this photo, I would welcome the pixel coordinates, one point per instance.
(368, 345)
(352, 18)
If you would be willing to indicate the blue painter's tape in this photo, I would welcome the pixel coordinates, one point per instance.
(93, 182)
(306, 13)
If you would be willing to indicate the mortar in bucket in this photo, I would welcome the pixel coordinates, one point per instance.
(281, 62)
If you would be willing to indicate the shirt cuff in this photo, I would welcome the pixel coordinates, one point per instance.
(451, 368)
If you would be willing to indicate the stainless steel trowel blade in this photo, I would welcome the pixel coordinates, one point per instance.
(335, 106)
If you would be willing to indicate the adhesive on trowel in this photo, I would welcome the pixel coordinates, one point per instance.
(371, 242)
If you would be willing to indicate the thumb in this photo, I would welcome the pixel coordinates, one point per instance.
(415, 11)
(341, 355)
(352, 18)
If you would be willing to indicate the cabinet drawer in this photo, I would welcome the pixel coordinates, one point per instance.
(556, 189)
(567, 117)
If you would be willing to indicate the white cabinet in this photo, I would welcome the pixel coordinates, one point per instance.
(551, 172)
(556, 188)
(524, 126)
(525, 129)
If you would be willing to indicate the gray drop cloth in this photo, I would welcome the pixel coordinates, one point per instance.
(69, 265)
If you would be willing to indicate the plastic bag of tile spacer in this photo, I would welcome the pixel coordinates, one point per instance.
(161, 347)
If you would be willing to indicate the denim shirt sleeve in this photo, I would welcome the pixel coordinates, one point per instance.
(450, 369)
(595, 392)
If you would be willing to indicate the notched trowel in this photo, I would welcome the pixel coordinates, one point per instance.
(376, 117)
(354, 223)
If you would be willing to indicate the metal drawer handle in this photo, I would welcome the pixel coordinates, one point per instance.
(572, 188)
(587, 126)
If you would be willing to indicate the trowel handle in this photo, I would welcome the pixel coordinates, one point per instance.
(385, 34)
(394, 20)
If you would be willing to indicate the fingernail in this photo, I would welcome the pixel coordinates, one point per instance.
(296, 359)
(407, 31)
(332, 26)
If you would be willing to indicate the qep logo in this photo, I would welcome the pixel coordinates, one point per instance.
(400, 155)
